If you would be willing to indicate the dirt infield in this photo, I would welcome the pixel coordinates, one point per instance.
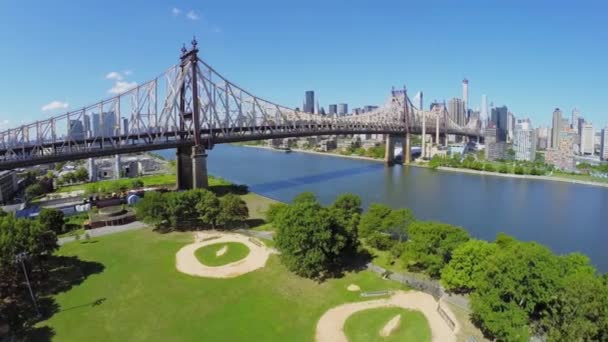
(330, 327)
(186, 261)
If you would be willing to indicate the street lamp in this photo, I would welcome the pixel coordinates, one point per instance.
(20, 258)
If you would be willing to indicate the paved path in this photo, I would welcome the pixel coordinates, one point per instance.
(106, 231)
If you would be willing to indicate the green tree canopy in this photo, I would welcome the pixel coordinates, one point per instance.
(373, 219)
(311, 241)
(464, 268)
(233, 210)
(397, 222)
(52, 219)
(430, 246)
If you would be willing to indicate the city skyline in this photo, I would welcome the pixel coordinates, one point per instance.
(347, 72)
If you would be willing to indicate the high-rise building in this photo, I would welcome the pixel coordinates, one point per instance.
(125, 126)
(342, 109)
(495, 149)
(369, 108)
(456, 110)
(465, 94)
(104, 124)
(524, 142)
(542, 135)
(484, 110)
(587, 145)
(76, 130)
(309, 101)
(556, 128)
(87, 125)
(500, 119)
(604, 144)
(510, 126)
(575, 115)
(333, 109)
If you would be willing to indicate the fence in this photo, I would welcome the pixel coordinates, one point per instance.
(417, 283)
(446, 317)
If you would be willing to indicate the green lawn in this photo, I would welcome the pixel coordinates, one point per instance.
(153, 180)
(235, 252)
(364, 326)
(135, 293)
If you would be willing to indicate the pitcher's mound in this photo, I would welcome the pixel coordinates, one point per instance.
(353, 288)
(391, 326)
(222, 251)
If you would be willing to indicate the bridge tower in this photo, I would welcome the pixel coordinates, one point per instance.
(191, 162)
(407, 146)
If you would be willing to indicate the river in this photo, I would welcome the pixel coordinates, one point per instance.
(563, 216)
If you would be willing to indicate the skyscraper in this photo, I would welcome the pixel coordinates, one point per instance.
(575, 115)
(484, 110)
(456, 109)
(524, 141)
(309, 101)
(333, 109)
(76, 130)
(500, 118)
(556, 128)
(342, 109)
(604, 144)
(587, 139)
(465, 94)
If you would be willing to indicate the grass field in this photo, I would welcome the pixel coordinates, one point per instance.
(235, 252)
(153, 180)
(364, 326)
(136, 294)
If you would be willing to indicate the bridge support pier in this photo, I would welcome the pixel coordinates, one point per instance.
(117, 172)
(407, 149)
(191, 165)
(389, 151)
(199, 167)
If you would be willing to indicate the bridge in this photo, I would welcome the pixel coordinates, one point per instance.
(191, 107)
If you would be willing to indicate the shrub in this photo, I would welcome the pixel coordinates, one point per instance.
(380, 241)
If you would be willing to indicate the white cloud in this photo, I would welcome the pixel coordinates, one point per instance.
(122, 86)
(192, 15)
(53, 105)
(175, 11)
(114, 75)
(127, 72)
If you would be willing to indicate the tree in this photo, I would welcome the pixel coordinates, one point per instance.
(503, 168)
(372, 220)
(346, 209)
(233, 210)
(52, 219)
(579, 308)
(516, 284)
(304, 197)
(489, 167)
(510, 153)
(381, 241)
(274, 210)
(33, 191)
(207, 207)
(430, 246)
(397, 222)
(464, 268)
(311, 242)
(152, 209)
(81, 174)
(519, 170)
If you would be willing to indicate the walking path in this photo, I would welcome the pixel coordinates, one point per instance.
(105, 231)
(330, 327)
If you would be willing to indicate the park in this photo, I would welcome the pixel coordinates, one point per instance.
(227, 264)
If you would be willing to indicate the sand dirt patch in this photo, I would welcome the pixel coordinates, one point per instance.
(330, 327)
(221, 251)
(391, 326)
(186, 261)
(353, 288)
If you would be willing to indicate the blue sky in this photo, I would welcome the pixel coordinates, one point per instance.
(532, 56)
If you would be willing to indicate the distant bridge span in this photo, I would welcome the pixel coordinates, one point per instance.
(191, 104)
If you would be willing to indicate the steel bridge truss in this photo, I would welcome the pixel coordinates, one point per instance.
(191, 103)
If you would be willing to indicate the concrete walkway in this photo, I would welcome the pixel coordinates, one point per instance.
(105, 231)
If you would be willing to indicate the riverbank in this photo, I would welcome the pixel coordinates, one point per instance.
(449, 169)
